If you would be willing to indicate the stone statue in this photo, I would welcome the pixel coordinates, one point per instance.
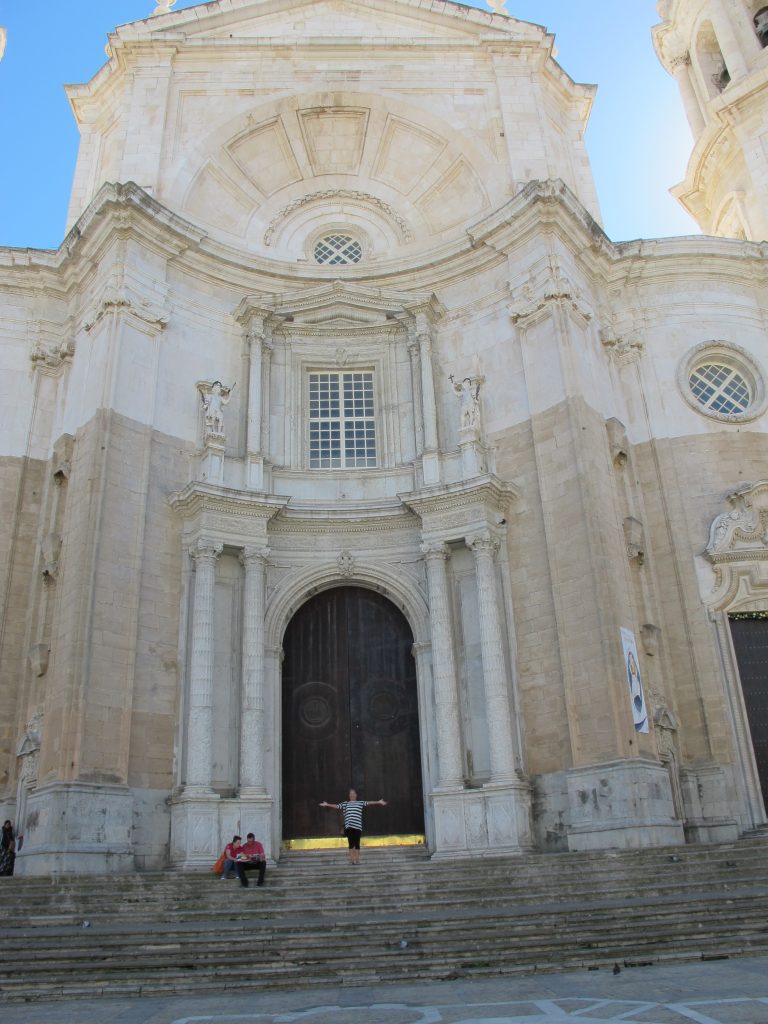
(468, 391)
(163, 7)
(214, 397)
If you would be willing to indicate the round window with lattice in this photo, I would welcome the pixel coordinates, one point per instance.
(337, 250)
(721, 380)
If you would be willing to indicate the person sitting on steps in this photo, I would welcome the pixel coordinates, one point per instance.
(250, 857)
(231, 851)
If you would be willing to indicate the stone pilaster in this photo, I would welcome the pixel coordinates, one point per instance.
(484, 547)
(443, 669)
(418, 412)
(430, 457)
(204, 552)
(252, 711)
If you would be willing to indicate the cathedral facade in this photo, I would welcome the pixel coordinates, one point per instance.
(342, 447)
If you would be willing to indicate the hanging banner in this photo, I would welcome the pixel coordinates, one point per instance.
(636, 695)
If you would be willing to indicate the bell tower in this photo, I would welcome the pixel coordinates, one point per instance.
(717, 51)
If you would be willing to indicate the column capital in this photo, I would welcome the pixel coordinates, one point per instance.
(205, 550)
(482, 542)
(254, 555)
(435, 549)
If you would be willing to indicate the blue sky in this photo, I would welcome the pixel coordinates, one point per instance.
(639, 140)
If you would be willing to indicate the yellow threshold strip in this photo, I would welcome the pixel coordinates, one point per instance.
(340, 843)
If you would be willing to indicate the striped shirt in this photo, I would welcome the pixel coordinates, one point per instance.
(353, 813)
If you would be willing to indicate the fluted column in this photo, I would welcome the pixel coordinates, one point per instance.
(252, 781)
(199, 732)
(484, 547)
(449, 755)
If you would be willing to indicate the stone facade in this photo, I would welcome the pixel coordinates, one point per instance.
(401, 192)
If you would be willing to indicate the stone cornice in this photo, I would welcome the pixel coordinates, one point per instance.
(128, 211)
(353, 517)
(488, 490)
(200, 497)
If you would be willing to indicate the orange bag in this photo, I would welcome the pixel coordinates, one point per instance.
(218, 867)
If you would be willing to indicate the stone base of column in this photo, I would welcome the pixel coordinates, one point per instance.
(709, 800)
(201, 828)
(77, 828)
(621, 805)
(212, 462)
(482, 822)
(430, 468)
(254, 473)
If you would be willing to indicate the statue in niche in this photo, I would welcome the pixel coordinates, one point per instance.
(468, 392)
(214, 397)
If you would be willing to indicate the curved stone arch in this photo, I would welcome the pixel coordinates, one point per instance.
(738, 553)
(211, 155)
(292, 593)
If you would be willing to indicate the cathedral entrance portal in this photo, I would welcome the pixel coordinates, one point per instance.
(750, 642)
(350, 715)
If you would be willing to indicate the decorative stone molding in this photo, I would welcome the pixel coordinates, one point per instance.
(548, 285)
(622, 350)
(51, 549)
(128, 301)
(617, 441)
(38, 658)
(738, 549)
(51, 355)
(650, 636)
(339, 195)
(346, 563)
(61, 463)
(634, 536)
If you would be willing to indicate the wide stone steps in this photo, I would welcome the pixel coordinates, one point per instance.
(397, 916)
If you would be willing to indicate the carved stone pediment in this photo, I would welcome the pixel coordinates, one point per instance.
(339, 307)
(738, 549)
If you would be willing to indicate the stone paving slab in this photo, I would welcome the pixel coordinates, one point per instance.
(723, 992)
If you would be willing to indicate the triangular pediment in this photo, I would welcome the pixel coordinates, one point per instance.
(330, 19)
(336, 305)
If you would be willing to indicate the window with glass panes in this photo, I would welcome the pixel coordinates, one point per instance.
(342, 431)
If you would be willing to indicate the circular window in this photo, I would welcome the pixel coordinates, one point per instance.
(338, 250)
(722, 381)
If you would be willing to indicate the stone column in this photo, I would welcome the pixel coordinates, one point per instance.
(430, 456)
(450, 767)
(484, 547)
(259, 349)
(199, 760)
(252, 696)
(726, 38)
(680, 68)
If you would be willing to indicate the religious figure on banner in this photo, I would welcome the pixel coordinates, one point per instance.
(636, 695)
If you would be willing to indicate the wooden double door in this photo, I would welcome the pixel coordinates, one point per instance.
(350, 715)
(750, 642)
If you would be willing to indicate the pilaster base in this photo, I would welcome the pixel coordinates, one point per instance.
(201, 828)
(77, 828)
(212, 461)
(708, 805)
(621, 805)
(482, 822)
(254, 473)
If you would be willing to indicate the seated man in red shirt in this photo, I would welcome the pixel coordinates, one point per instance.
(250, 857)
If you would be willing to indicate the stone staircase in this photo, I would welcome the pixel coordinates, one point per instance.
(396, 917)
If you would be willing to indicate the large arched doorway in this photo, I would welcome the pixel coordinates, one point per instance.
(350, 715)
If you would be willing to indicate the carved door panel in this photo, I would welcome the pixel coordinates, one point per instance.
(350, 715)
(750, 642)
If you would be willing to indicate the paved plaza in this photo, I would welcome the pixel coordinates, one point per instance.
(722, 992)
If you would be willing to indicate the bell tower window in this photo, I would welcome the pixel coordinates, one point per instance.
(761, 26)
